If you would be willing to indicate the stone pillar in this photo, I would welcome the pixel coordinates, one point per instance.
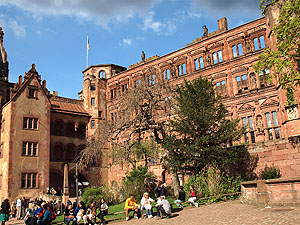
(66, 192)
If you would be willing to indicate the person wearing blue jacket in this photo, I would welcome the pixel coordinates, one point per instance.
(46, 217)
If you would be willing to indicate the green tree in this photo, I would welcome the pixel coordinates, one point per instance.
(199, 132)
(284, 58)
(138, 181)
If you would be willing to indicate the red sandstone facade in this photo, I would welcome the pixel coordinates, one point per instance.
(224, 56)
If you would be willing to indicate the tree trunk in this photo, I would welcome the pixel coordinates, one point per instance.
(175, 182)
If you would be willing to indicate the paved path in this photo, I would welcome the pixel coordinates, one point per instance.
(229, 213)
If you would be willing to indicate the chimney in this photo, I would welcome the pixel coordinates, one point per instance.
(20, 80)
(54, 93)
(44, 84)
(222, 24)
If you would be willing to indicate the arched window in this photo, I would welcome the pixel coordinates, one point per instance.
(102, 74)
(58, 128)
(70, 152)
(58, 152)
(70, 129)
(81, 130)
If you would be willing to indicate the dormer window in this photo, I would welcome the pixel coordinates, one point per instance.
(32, 92)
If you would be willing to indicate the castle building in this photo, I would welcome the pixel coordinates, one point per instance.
(41, 132)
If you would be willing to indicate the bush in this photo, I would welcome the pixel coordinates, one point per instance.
(91, 194)
(138, 181)
(269, 172)
(212, 182)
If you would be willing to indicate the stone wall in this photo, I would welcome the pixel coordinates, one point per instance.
(283, 191)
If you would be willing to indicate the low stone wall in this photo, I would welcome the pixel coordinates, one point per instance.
(283, 191)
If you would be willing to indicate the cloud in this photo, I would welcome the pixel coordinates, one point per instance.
(18, 30)
(167, 27)
(234, 7)
(99, 11)
(127, 41)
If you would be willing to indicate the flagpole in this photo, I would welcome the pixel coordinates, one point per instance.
(87, 51)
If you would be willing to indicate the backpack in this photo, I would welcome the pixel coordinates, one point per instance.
(53, 215)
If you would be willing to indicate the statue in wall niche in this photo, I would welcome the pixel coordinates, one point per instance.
(208, 60)
(248, 46)
(292, 113)
(253, 81)
(205, 31)
(143, 56)
(259, 125)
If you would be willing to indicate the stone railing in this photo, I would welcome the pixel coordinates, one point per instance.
(283, 191)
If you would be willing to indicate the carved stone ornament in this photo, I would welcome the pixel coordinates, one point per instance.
(292, 113)
(253, 81)
(205, 31)
(208, 60)
(248, 46)
(259, 125)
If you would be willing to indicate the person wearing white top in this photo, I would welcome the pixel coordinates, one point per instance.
(163, 207)
(146, 204)
(19, 208)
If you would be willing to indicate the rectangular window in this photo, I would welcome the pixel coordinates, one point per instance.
(268, 118)
(92, 124)
(196, 61)
(220, 57)
(111, 94)
(137, 83)
(31, 93)
(179, 70)
(262, 41)
(30, 123)
(240, 48)
(244, 119)
(252, 136)
(201, 62)
(99, 114)
(93, 87)
(215, 58)
(29, 148)
(256, 45)
(270, 134)
(277, 135)
(246, 138)
(183, 68)
(151, 79)
(275, 121)
(223, 87)
(234, 51)
(168, 74)
(244, 82)
(92, 101)
(29, 180)
(250, 119)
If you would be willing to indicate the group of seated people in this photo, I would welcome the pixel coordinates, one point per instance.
(39, 214)
(87, 214)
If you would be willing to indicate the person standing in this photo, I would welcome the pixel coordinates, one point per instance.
(19, 208)
(181, 198)
(5, 210)
(159, 190)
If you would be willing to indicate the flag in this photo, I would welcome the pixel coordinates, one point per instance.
(88, 43)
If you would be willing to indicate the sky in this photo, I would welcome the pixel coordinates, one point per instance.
(53, 33)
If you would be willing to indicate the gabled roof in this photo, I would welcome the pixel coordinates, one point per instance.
(19, 87)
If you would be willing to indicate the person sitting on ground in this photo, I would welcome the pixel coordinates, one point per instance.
(103, 208)
(130, 205)
(91, 213)
(4, 212)
(46, 219)
(80, 212)
(163, 207)
(159, 190)
(181, 198)
(146, 204)
(70, 215)
(193, 196)
(29, 215)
